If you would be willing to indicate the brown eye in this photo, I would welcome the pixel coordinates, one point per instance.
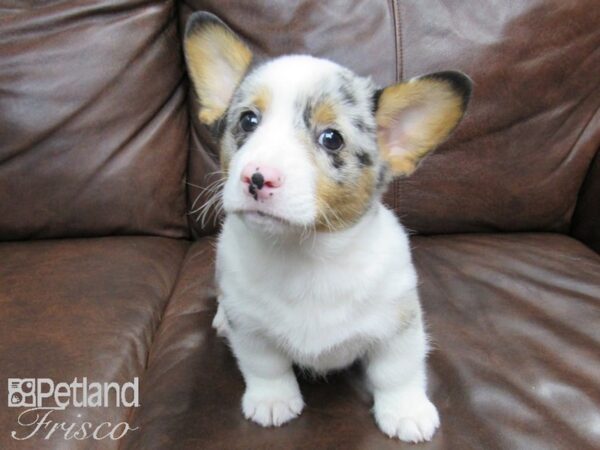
(331, 140)
(249, 121)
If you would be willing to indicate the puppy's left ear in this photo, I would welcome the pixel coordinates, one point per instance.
(217, 60)
(415, 117)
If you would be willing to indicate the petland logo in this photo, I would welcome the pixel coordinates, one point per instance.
(43, 397)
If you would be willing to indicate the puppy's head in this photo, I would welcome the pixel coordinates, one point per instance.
(305, 142)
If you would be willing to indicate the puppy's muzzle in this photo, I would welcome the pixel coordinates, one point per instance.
(261, 182)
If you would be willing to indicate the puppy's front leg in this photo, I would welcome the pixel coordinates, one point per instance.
(272, 394)
(396, 372)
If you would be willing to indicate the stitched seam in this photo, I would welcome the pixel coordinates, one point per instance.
(189, 115)
(132, 410)
(395, 6)
(585, 177)
(398, 44)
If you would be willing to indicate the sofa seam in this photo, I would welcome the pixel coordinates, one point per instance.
(132, 410)
(167, 303)
(399, 54)
(584, 179)
(189, 116)
(398, 42)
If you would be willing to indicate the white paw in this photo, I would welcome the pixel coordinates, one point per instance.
(412, 418)
(271, 408)
(220, 322)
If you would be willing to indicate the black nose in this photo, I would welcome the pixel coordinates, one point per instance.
(258, 180)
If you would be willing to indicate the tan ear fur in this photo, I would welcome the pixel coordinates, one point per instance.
(415, 117)
(217, 60)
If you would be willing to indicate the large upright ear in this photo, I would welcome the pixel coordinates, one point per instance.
(217, 60)
(416, 116)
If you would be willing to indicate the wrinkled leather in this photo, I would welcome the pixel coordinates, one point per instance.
(80, 308)
(513, 320)
(514, 363)
(518, 160)
(93, 120)
(516, 163)
(95, 140)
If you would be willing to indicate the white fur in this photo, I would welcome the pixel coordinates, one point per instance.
(323, 303)
(318, 299)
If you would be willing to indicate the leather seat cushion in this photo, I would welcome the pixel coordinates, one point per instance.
(513, 321)
(80, 308)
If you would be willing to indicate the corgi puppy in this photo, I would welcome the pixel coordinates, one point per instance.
(312, 268)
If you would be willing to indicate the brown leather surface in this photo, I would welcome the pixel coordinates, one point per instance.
(586, 220)
(80, 308)
(94, 140)
(517, 161)
(94, 128)
(513, 321)
(357, 33)
(93, 120)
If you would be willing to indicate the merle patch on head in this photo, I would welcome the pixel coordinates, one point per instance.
(347, 94)
(306, 115)
(364, 159)
(362, 126)
(375, 100)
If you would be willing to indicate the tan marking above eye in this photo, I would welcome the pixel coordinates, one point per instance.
(324, 113)
(262, 99)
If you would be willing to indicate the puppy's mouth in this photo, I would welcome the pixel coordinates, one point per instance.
(263, 218)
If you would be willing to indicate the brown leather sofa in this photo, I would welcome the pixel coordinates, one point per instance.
(105, 274)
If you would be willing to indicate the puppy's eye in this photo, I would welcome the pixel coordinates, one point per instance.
(249, 121)
(331, 139)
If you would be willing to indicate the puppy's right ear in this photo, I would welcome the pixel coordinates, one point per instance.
(217, 60)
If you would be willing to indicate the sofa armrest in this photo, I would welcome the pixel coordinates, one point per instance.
(585, 225)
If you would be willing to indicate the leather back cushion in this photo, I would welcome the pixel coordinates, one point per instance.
(93, 119)
(518, 159)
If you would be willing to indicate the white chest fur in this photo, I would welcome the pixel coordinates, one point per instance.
(325, 300)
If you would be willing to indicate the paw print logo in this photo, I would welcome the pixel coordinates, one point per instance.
(21, 392)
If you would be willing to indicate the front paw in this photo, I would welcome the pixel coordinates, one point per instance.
(272, 407)
(410, 417)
